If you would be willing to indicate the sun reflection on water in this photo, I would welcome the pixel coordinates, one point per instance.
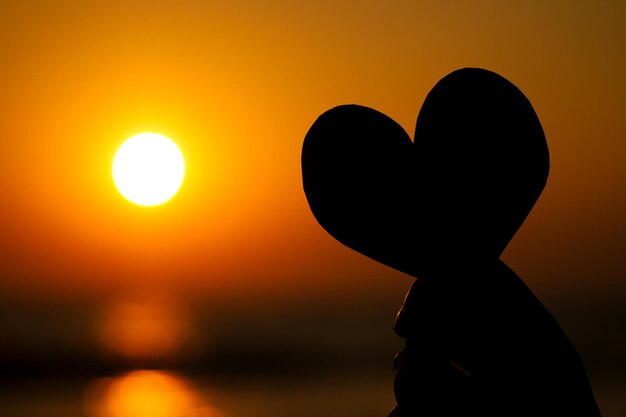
(153, 329)
(146, 393)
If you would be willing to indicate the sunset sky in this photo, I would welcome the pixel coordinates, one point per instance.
(237, 85)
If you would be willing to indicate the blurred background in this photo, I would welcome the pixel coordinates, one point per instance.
(230, 300)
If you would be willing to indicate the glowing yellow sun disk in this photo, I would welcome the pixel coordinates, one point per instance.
(148, 169)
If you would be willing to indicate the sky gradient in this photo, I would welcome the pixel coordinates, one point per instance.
(237, 87)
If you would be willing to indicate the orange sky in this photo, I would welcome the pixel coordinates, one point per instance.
(237, 87)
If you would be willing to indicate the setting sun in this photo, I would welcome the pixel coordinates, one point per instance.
(148, 169)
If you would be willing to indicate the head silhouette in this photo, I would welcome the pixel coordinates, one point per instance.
(459, 190)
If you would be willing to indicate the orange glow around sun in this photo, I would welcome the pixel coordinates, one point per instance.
(238, 95)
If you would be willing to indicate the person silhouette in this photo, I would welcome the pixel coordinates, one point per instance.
(442, 208)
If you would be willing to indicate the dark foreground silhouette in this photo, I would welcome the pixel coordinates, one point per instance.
(442, 208)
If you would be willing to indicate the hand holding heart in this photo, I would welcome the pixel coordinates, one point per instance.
(442, 208)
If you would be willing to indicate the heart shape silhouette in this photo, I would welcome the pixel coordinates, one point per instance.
(458, 192)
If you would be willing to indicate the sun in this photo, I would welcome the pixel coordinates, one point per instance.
(148, 169)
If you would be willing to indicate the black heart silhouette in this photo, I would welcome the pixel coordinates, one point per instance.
(460, 191)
